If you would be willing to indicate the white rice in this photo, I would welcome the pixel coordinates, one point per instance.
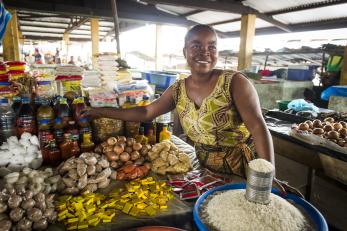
(261, 165)
(230, 211)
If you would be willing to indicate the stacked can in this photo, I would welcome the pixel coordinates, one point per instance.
(259, 181)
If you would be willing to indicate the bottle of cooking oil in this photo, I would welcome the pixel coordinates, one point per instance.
(164, 134)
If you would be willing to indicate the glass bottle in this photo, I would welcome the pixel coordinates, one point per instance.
(151, 137)
(72, 129)
(26, 121)
(87, 145)
(75, 149)
(141, 138)
(7, 121)
(84, 127)
(63, 111)
(65, 147)
(58, 130)
(45, 112)
(53, 153)
(164, 134)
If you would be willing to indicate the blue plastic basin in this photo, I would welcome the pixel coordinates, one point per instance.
(315, 215)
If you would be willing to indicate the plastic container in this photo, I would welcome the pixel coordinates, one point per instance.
(26, 121)
(63, 111)
(283, 104)
(162, 80)
(7, 121)
(17, 101)
(310, 210)
(301, 74)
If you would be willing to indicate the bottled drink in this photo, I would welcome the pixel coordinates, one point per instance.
(58, 130)
(151, 137)
(63, 111)
(7, 121)
(45, 112)
(87, 145)
(44, 133)
(164, 134)
(160, 121)
(53, 153)
(84, 127)
(141, 138)
(26, 118)
(72, 130)
(17, 101)
(65, 147)
(37, 103)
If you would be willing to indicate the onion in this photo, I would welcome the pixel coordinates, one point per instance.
(328, 128)
(128, 149)
(329, 119)
(122, 139)
(107, 149)
(112, 156)
(303, 127)
(344, 124)
(318, 131)
(124, 157)
(135, 155)
(118, 149)
(104, 144)
(111, 141)
(114, 164)
(130, 142)
(137, 146)
(317, 123)
(309, 123)
(343, 132)
(333, 135)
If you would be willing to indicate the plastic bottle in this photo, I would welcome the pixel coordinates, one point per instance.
(44, 132)
(63, 111)
(161, 120)
(151, 137)
(17, 101)
(37, 103)
(45, 112)
(26, 121)
(58, 130)
(148, 124)
(78, 108)
(145, 101)
(87, 145)
(84, 127)
(75, 149)
(131, 128)
(53, 153)
(45, 149)
(164, 134)
(7, 121)
(65, 147)
(127, 103)
(141, 138)
(72, 130)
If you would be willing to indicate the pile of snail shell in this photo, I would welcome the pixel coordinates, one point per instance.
(329, 129)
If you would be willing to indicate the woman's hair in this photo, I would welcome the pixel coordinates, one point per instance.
(196, 29)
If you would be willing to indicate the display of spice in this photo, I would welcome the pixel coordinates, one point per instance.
(86, 173)
(122, 151)
(104, 128)
(329, 129)
(168, 159)
(132, 171)
(141, 197)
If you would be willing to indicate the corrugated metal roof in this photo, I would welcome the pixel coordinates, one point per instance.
(208, 17)
(273, 5)
(311, 15)
(176, 9)
(236, 26)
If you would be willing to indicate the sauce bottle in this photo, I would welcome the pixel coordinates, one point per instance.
(45, 112)
(65, 147)
(87, 145)
(53, 153)
(16, 104)
(44, 144)
(63, 111)
(151, 137)
(72, 130)
(44, 132)
(84, 127)
(75, 149)
(26, 118)
(58, 130)
(141, 138)
(164, 134)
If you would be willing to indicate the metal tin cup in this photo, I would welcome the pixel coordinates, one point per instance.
(259, 185)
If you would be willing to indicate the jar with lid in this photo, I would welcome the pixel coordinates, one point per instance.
(65, 147)
(44, 89)
(87, 145)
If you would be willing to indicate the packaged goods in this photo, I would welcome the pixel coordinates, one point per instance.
(104, 128)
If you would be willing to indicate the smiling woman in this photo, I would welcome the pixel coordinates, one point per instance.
(218, 109)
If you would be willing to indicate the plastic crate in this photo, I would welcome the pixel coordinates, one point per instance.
(162, 80)
(301, 74)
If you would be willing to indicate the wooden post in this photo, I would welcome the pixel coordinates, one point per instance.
(66, 41)
(158, 49)
(343, 76)
(94, 28)
(246, 41)
(11, 39)
(116, 25)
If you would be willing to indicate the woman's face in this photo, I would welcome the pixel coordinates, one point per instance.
(201, 51)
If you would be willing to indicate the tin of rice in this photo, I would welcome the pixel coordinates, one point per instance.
(229, 210)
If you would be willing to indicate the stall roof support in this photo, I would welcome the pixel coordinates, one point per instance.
(94, 27)
(343, 77)
(246, 41)
(11, 39)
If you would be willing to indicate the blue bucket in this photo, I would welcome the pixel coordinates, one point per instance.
(315, 215)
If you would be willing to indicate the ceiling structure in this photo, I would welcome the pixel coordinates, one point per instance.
(50, 19)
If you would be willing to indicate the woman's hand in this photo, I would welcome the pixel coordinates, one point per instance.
(284, 188)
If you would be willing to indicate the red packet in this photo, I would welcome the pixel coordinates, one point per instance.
(178, 183)
(178, 177)
(205, 181)
(212, 186)
(194, 174)
(190, 192)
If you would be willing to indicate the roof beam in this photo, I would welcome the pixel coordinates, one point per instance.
(226, 21)
(307, 7)
(191, 13)
(48, 38)
(76, 25)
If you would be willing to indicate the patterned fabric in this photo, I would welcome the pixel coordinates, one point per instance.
(222, 141)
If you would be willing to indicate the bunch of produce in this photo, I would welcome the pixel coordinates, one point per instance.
(328, 129)
(86, 210)
(86, 173)
(123, 151)
(22, 210)
(35, 181)
(167, 158)
(16, 154)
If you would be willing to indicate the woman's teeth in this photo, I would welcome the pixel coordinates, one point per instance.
(202, 62)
